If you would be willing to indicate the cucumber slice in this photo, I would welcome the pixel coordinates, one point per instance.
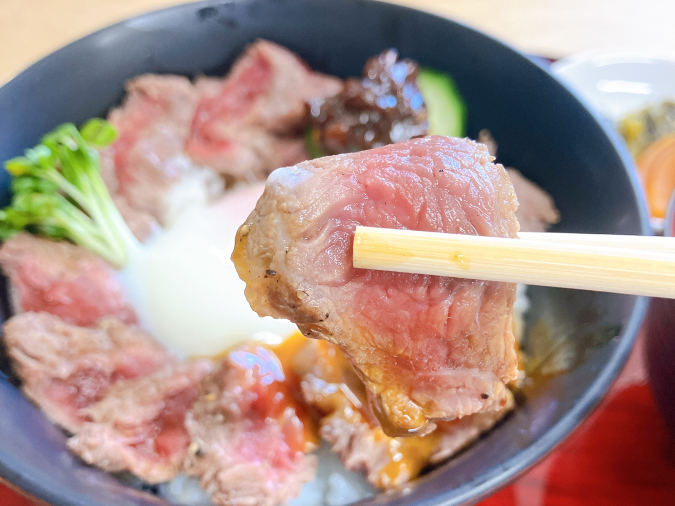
(446, 111)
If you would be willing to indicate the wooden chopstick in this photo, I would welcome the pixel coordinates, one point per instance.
(642, 242)
(634, 265)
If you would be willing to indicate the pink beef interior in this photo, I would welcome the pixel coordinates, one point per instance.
(66, 368)
(139, 425)
(250, 442)
(250, 123)
(177, 138)
(427, 347)
(62, 279)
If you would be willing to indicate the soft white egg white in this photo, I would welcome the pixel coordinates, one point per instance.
(185, 288)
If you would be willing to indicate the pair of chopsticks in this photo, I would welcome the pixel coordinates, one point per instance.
(636, 265)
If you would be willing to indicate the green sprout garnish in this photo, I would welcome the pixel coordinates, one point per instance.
(58, 192)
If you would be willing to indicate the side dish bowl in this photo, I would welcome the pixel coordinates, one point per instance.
(617, 84)
(539, 124)
(660, 342)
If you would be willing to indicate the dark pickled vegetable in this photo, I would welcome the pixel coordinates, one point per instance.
(385, 106)
(644, 127)
(650, 135)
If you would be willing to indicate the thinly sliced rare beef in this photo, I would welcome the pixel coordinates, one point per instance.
(62, 279)
(65, 368)
(536, 209)
(427, 347)
(249, 123)
(139, 426)
(141, 223)
(151, 170)
(248, 439)
(456, 435)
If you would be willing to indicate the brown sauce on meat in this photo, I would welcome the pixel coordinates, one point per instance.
(342, 395)
(385, 106)
(409, 456)
(285, 352)
(274, 397)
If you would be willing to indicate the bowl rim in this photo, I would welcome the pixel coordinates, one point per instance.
(670, 219)
(602, 58)
(20, 476)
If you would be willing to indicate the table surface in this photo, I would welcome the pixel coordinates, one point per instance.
(554, 28)
(622, 455)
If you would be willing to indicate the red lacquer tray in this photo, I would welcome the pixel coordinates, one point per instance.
(622, 455)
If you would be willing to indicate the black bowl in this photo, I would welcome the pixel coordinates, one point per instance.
(541, 128)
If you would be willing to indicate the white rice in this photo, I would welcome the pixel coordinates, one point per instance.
(520, 307)
(332, 486)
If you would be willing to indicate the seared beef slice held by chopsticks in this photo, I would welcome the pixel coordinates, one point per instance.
(427, 347)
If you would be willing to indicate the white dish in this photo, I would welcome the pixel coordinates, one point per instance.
(617, 84)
